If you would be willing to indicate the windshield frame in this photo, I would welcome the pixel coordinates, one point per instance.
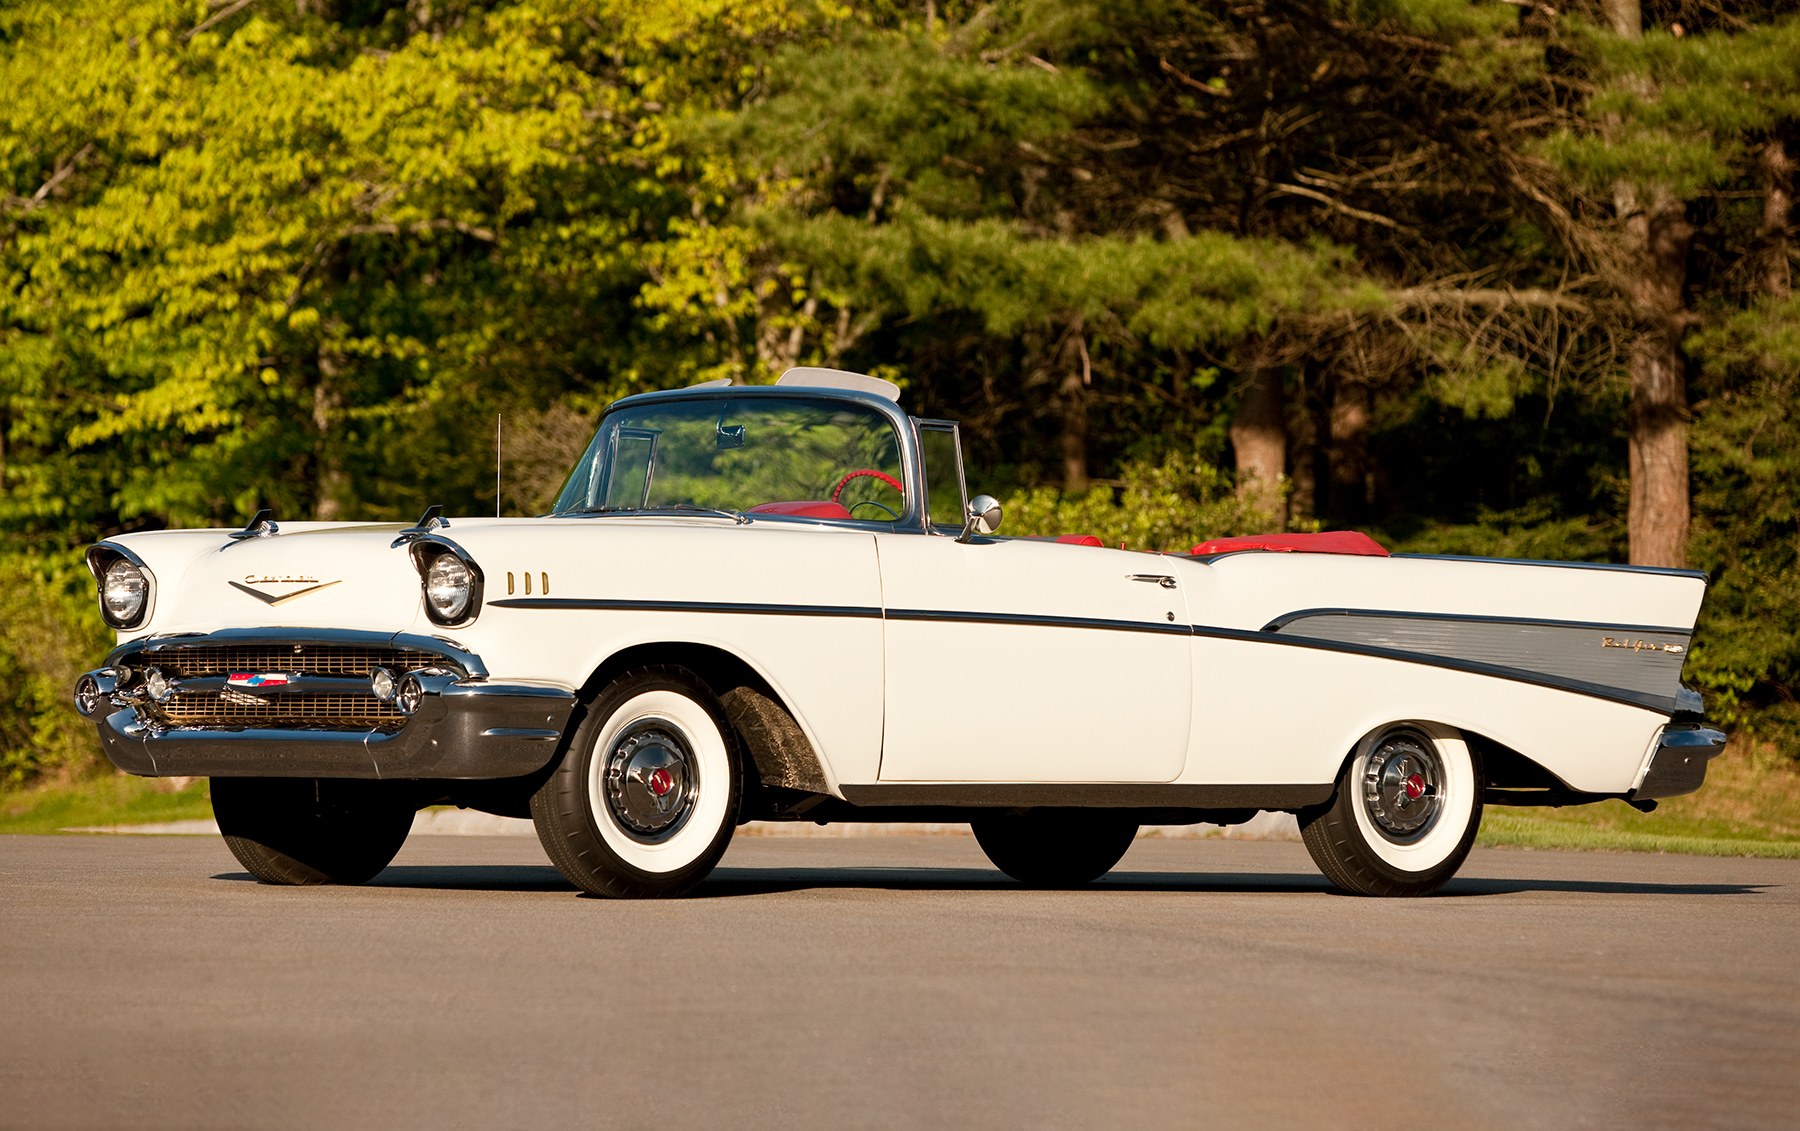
(912, 516)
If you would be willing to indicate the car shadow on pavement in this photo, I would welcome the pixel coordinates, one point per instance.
(1484, 886)
(455, 877)
(727, 883)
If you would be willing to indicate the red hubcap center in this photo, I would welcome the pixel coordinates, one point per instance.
(1415, 787)
(660, 781)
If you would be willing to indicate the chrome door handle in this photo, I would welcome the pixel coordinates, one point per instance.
(1161, 579)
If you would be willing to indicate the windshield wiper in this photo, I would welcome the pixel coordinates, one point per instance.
(693, 508)
(670, 508)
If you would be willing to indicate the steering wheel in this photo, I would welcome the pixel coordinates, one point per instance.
(873, 474)
(891, 512)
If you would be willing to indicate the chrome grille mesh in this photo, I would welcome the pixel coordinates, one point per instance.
(231, 708)
(205, 708)
(310, 659)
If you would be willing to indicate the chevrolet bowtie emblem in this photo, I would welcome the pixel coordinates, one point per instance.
(283, 593)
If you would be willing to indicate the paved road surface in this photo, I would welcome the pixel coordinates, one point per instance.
(893, 982)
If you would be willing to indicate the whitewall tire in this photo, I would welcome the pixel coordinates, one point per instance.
(1405, 813)
(645, 799)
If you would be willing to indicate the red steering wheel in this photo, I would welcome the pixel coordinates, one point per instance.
(871, 473)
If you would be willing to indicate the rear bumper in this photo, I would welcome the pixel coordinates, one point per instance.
(1678, 764)
(469, 729)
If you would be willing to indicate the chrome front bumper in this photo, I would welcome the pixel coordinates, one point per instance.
(1678, 764)
(463, 729)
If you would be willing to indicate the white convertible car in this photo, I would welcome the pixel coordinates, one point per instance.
(779, 604)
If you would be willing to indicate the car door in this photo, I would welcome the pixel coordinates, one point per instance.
(1031, 661)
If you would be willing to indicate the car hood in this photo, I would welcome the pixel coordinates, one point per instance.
(309, 575)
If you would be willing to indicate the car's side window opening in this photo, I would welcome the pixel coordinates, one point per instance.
(945, 493)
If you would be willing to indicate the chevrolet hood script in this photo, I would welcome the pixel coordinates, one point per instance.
(279, 590)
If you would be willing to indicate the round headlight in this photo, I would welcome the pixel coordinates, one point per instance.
(448, 587)
(123, 590)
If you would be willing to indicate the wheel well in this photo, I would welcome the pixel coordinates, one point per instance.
(780, 755)
(1506, 768)
(720, 670)
(1502, 767)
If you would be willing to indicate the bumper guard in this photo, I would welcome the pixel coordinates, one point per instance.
(1678, 764)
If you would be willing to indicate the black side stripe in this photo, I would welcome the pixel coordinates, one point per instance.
(748, 607)
(1038, 621)
(1286, 619)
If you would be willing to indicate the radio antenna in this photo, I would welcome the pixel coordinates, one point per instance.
(497, 418)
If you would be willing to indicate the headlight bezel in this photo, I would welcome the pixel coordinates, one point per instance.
(102, 561)
(427, 553)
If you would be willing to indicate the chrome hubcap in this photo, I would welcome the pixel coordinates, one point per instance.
(1403, 787)
(651, 780)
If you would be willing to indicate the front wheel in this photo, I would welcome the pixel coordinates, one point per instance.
(1054, 847)
(645, 799)
(309, 830)
(1405, 813)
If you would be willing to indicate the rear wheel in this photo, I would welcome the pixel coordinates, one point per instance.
(1405, 814)
(1054, 847)
(310, 830)
(645, 799)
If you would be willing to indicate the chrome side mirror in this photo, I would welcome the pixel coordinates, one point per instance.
(983, 517)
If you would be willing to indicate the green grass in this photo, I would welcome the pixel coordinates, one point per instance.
(115, 800)
(1514, 828)
(1749, 806)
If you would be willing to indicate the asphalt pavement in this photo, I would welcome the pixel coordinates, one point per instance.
(894, 981)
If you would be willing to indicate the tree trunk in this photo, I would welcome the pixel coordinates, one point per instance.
(1306, 452)
(328, 472)
(1778, 208)
(1654, 239)
(1071, 403)
(1657, 235)
(1259, 438)
(1349, 498)
(1626, 17)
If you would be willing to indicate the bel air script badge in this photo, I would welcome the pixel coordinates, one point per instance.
(271, 590)
(1640, 645)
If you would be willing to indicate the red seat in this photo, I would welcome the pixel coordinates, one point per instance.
(1079, 540)
(1328, 542)
(803, 508)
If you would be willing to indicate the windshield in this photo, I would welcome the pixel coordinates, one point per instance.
(757, 455)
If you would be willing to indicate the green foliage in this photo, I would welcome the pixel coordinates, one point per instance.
(1746, 459)
(1443, 19)
(50, 632)
(1677, 110)
(1185, 293)
(1533, 531)
(107, 801)
(1166, 504)
(300, 255)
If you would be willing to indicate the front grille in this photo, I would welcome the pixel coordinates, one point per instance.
(309, 659)
(234, 707)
